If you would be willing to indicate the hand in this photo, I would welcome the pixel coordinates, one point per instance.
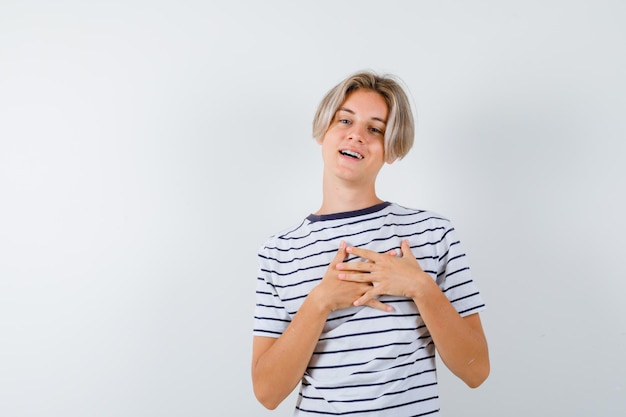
(389, 275)
(340, 293)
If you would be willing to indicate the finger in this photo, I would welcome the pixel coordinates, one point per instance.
(370, 299)
(354, 276)
(364, 253)
(341, 253)
(378, 305)
(392, 252)
(356, 266)
(407, 253)
(406, 249)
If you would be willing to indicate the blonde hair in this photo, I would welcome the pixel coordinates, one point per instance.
(400, 130)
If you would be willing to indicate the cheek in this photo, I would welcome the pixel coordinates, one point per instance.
(330, 139)
(326, 146)
(379, 147)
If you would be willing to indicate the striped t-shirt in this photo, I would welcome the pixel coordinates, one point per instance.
(367, 362)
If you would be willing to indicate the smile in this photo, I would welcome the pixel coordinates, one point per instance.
(351, 154)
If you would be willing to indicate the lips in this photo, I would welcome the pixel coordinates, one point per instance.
(351, 154)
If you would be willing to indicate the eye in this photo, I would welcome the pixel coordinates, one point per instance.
(344, 121)
(377, 131)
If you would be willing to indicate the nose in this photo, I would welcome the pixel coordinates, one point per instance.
(357, 133)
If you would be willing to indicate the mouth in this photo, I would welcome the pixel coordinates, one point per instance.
(351, 154)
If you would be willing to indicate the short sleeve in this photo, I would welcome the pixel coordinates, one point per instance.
(270, 317)
(454, 276)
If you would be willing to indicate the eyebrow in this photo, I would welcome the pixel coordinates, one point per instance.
(352, 112)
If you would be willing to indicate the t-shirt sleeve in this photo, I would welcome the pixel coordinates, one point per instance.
(270, 317)
(454, 276)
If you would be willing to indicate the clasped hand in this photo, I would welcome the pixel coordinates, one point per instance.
(388, 275)
(380, 274)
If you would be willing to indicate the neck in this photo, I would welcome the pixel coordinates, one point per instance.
(339, 198)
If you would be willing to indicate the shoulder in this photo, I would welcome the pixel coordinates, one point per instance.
(418, 215)
(284, 238)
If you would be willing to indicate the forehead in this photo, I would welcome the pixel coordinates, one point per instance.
(366, 103)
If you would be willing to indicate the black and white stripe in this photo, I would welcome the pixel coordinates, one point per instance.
(367, 362)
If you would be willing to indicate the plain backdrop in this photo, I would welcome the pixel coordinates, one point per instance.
(148, 148)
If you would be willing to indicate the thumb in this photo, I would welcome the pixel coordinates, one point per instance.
(341, 253)
(406, 249)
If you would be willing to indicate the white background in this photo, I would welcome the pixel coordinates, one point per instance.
(148, 148)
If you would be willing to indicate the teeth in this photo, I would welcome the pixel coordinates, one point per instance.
(352, 154)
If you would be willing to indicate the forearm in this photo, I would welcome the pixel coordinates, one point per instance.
(277, 371)
(460, 342)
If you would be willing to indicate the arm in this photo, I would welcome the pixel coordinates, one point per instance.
(461, 342)
(279, 364)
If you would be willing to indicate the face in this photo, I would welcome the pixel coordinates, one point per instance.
(353, 146)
